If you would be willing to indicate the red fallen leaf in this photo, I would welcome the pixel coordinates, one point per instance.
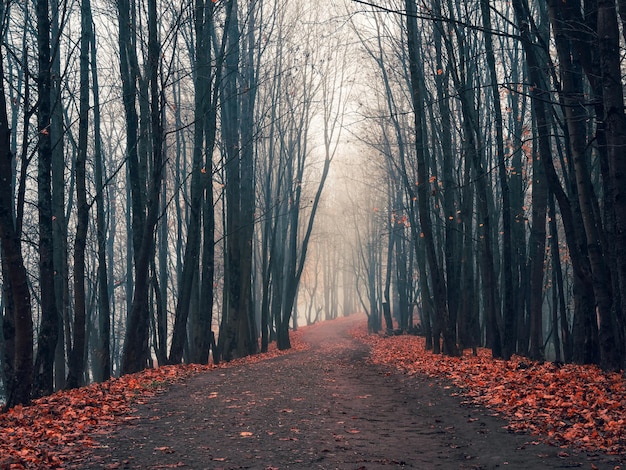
(58, 428)
(165, 449)
(569, 404)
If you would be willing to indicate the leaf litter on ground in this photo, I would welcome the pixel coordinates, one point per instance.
(54, 431)
(567, 405)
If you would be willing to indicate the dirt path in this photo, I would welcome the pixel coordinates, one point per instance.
(325, 408)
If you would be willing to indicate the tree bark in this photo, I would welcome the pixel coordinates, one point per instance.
(438, 282)
(49, 327)
(77, 354)
(135, 356)
(17, 317)
(236, 329)
(199, 177)
(612, 321)
(59, 234)
(574, 110)
(102, 369)
(510, 310)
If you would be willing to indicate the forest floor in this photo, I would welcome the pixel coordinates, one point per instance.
(340, 399)
(325, 407)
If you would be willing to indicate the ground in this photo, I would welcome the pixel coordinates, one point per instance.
(326, 407)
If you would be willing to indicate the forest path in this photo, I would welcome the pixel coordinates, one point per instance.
(323, 408)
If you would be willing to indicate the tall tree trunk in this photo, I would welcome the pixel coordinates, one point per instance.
(272, 185)
(236, 328)
(200, 178)
(469, 324)
(402, 281)
(134, 190)
(77, 354)
(59, 233)
(597, 272)
(389, 268)
(537, 242)
(473, 145)
(438, 281)
(518, 200)
(612, 321)
(297, 258)
(103, 355)
(136, 354)
(17, 317)
(206, 337)
(247, 197)
(559, 307)
(49, 327)
(510, 311)
(450, 195)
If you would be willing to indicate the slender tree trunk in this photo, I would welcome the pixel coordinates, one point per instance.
(103, 355)
(469, 323)
(272, 186)
(199, 178)
(206, 338)
(136, 354)
(448, 184)
(49, 327)
(134, 190)
(77, 354)
(574, 110)
(291, 293)
(386, 295)
(59, 233)
(235, 339)
(247, 201)
(17, 319)
(510, 311)
(558, 297)
(612, 322)
(537, 243)
(438, 282)
(402, 282)
(517, 199)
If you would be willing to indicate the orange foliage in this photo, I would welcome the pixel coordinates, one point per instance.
(55, 430)
(568, 405)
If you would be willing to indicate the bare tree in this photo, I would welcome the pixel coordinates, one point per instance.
(49, 327)
(237, 337)
(438, 281)
(17, 322)
(135, 356)
(77, 353)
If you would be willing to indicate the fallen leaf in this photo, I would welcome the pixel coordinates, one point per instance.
(566, 404)
(165, 449)
(57, 429)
